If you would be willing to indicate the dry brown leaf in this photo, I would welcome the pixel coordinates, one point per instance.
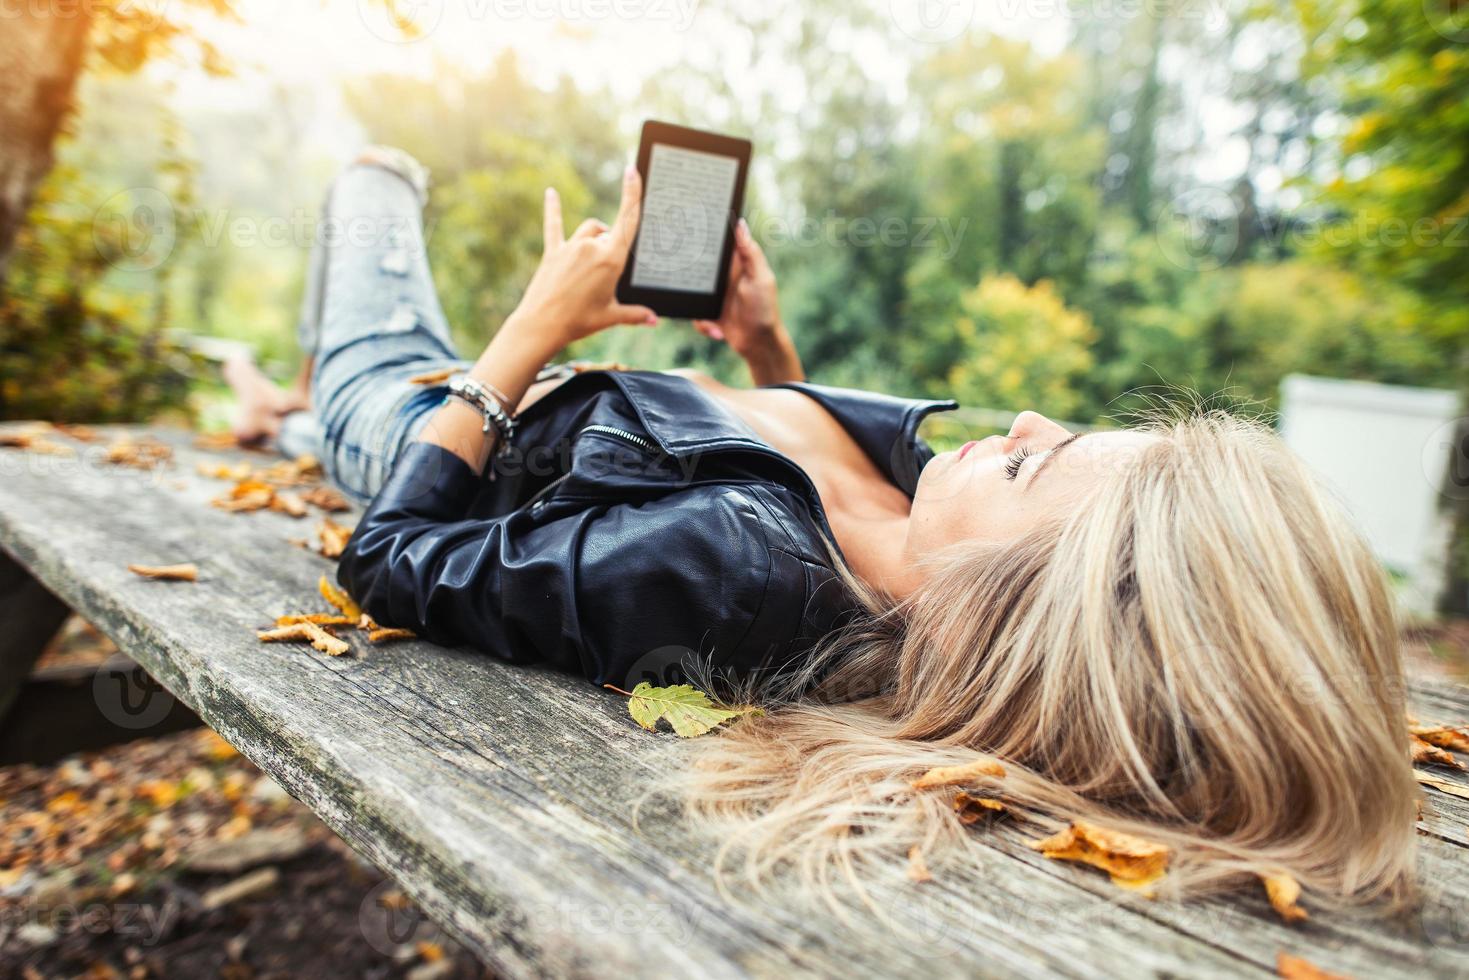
(1131, 861)
(1284, 893)
(288, 503)
(1291, 967)
(215, 441)
(1443, 736)
(339, 598)
(972, 809)
(249, 494)
(33, 439)
(320, 619)
(16, 440)
(309, 632)
(327, 499)
(970, 772)
(186, 572)
(433, 377)
(1441, 784)
(333, 537)
(917, 867)
(1426, 754)
(81, 433)
(224, 471)
(384, 635)
(142, 454)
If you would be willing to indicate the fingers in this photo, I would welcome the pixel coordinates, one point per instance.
(590, 228)
(636, 315)
(748, 249)
(552, 230)
(709, 329)
(625, 228)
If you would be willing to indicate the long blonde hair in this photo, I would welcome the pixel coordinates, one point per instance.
(1206, 655)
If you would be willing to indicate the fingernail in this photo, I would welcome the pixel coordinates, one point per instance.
(744, 227)
(550, 192)
(629, 172)
(716, 333)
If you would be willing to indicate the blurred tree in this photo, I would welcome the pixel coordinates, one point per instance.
(1020, 346)
(42, 53)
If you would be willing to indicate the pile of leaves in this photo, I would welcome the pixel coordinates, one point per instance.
(264, 488)
(320, 629)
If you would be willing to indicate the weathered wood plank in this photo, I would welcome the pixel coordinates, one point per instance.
(504, 798)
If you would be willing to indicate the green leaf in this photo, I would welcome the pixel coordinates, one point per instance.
(686, 708)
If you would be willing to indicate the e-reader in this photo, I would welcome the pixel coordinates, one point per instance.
(693, 190)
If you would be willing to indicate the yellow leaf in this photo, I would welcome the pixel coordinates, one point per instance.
(1290, 967)
(972, 809)
(917, 867)
(686, 708)
(310, 633)
(1131, 861)
(970, 772)
(1284, 892)
(187, 572)
(1443, 736)
(339, 598)
(1441, 784)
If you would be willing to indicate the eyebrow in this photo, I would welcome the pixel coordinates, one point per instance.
(1050, 456)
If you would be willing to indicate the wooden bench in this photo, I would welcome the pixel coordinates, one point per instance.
(502, 799)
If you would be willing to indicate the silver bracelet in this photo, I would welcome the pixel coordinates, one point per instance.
(492, 406)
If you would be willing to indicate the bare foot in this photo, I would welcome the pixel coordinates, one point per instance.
(262, 401)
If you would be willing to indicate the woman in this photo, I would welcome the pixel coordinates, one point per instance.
(1171, 631)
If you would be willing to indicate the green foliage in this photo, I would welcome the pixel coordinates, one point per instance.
(72, 347)
(1020, 345)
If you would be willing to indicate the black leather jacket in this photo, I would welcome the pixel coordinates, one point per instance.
(638, 523)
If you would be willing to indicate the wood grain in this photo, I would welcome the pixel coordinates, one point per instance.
(510, 802)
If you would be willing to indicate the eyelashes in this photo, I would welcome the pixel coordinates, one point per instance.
(1012, 465)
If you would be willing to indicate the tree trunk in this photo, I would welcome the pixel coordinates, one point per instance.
(40, 59)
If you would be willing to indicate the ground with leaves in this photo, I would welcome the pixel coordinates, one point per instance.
(175, 857)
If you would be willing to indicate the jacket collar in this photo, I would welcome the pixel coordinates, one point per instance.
(683, 419)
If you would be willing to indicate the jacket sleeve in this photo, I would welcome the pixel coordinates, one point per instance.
(596, 588)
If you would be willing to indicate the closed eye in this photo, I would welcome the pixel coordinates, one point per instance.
(1012, 464)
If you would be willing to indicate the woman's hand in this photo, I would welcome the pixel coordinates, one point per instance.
(573, 293)
(750, 321)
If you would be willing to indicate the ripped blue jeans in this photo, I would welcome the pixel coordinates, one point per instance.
(373, 320)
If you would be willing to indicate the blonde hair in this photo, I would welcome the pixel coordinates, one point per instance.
(1204, 655)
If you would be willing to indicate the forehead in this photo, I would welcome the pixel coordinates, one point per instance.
(1094, 455)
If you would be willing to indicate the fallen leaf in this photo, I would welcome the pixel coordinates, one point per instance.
(187, 572)
(1441, 784)
(429, 952)
(1294, 968)
(288, 503)
(334, 537)
(972, 809)
(917, 867)
(320, 619)
(249, 494)
(1131, 861)
(310, 633)
(1426, 754)
(970, 772)
(218, 749)
(433, 377)
(216, 441)
(142, 454)
(1284, 892)
(224, 471)
(385, 635)
(686, 708)
(1443, 736)
(326, 499)
(339, 598)
(81, 433)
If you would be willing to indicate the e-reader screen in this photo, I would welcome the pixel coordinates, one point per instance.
(685, 211)
(693, 188)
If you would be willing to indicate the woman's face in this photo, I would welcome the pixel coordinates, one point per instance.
(996, 489)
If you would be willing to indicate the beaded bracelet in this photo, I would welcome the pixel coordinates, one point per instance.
(491, 403)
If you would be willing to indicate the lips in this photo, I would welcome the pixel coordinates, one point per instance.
(964, 449)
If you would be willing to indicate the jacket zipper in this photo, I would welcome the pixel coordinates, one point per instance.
(623, 434)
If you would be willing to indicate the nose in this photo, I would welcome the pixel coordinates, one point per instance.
(1035, 427)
